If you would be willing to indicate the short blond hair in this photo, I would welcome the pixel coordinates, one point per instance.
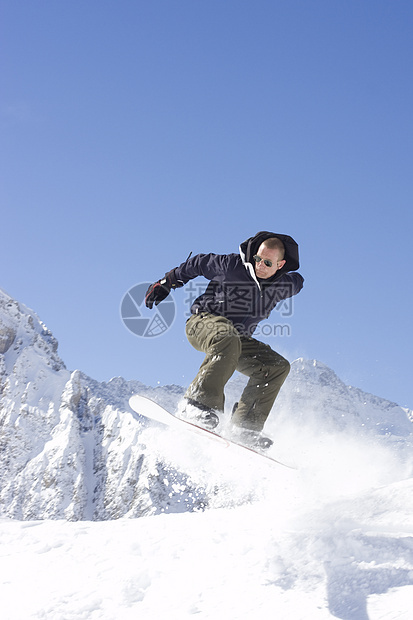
(273, 243)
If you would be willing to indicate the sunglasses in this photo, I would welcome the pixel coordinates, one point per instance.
(258, 259)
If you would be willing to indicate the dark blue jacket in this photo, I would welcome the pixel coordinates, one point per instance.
(234, 291)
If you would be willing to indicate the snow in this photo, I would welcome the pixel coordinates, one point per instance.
(290, 558)
(104, 515)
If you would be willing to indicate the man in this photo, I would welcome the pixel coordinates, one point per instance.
(242, 291)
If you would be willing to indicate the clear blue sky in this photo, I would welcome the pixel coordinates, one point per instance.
(133, 132)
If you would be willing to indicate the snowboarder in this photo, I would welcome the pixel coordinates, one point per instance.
(243, 289)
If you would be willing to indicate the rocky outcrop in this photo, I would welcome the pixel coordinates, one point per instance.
(70, 448)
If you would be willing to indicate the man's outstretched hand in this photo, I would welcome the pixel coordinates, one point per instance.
(159, 290)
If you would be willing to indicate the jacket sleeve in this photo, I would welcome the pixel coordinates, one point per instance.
(209, 266)
(290, 284)
(298, 282)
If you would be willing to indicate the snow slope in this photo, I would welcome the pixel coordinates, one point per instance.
(280, 557)
(217, 535)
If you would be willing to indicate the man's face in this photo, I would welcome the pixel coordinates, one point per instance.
(262, 270)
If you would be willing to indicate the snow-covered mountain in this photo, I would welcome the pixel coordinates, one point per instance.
(71, 448)
(332, 539)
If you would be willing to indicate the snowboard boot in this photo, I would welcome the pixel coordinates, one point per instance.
(200, 414)
(250, 438)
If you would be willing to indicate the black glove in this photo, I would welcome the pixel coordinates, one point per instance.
(160, 289)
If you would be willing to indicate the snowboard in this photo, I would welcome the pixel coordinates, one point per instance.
(150, 409)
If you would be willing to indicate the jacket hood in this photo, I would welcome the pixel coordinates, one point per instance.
(250, 247)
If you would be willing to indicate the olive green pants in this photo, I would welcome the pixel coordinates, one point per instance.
(226, 350)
